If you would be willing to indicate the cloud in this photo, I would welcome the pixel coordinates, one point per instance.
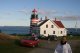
(61, 15)
(47, 12)
(39, 11)
(25, 11)
(6, 13)
(72, 18)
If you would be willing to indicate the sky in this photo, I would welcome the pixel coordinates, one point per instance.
(18, 12)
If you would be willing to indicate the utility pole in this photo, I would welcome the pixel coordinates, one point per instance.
(76, 25)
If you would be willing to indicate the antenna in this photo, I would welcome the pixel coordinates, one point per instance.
(76, 26)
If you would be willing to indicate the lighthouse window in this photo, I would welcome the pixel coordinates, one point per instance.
(36, 16)
(32, 16)
(46, 26)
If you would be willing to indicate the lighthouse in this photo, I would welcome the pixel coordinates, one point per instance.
(33, 21)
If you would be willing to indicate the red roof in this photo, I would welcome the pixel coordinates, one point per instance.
(34, 10)
(59, 23)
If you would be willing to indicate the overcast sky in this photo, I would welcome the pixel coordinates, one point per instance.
(18, 12)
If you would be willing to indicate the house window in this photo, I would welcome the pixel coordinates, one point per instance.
(61, 32)
(44, 31)
(53, 32)
(46, 26)
(52, 26)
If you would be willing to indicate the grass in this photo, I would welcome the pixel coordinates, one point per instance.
(9, 46)
(77, 48)
(12, 46)
(73, 37)
(75, 43)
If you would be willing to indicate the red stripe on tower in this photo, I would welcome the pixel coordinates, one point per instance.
(35, 20)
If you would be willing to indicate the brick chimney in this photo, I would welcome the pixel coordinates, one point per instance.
(46, 18)
(55, 19)
(41, 19)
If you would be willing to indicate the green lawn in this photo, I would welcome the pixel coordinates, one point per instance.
(9, 46)
(75, 43)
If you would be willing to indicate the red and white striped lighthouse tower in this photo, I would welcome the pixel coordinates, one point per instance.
(34, 20)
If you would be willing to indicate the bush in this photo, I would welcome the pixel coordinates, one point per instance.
(52, 37)
(42, 37)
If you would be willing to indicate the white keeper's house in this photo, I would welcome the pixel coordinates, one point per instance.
(46, 27)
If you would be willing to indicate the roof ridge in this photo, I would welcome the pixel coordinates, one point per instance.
(43, 22)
